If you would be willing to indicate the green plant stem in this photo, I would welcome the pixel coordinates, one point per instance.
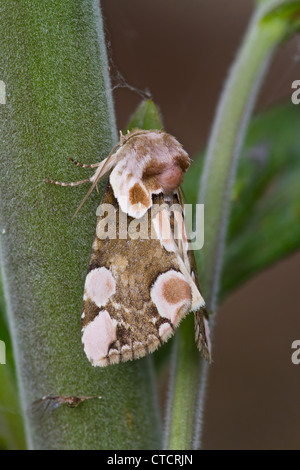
(231, 121)
(184, 386)
(58, 104)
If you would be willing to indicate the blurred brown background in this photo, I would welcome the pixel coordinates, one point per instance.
(181, 51)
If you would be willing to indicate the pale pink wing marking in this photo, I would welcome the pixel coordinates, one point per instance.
(171, 294)
(97, 336)
(133, 197)
(99, 286)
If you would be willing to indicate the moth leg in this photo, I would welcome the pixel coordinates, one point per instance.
(73, 183)
(84, 165)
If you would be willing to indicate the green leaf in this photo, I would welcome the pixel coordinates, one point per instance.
(12, 435)
(288, 10)
(146, 116)
(264, 225)
(265, 203)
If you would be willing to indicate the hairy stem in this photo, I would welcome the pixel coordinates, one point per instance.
(59, 103)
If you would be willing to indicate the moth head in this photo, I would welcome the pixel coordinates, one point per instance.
(142, 163)
(168, 174)
(156, 155)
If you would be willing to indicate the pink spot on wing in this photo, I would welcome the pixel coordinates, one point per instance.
(99, 286)
(172, 296)
(96, 338)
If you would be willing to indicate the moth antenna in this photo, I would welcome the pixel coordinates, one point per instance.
(73, 183)
(84, 199)
(84, 165)
(108, 163)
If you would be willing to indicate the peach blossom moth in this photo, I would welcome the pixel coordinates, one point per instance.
(138, 289)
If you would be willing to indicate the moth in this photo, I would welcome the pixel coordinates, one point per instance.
(142, 278)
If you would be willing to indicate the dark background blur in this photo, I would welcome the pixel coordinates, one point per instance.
(180, 50)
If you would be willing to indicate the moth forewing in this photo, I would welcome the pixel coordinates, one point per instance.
(201, 317)
(140, 286)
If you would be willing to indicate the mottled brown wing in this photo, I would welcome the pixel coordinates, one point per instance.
(136, 290)
(202, 337)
